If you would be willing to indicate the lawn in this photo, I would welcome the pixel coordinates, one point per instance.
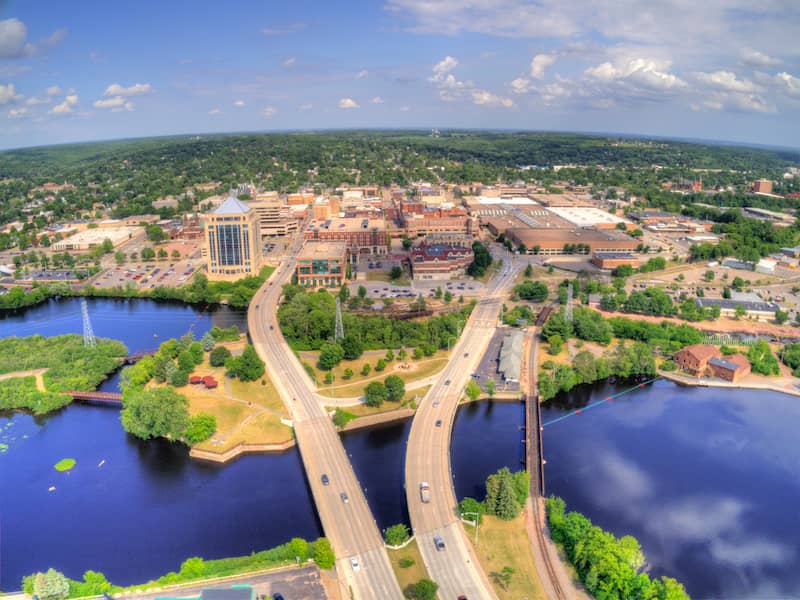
(347, 388)
(384, 276)
(407, 576)
(506, 544)
(265, 395)
(265, 428)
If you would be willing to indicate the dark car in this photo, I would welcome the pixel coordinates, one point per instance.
(447, 382)
(325, 480)
(277, 596)
(438, 422)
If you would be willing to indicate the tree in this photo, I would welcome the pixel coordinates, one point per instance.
(407, 243)
(201, 427)
(299, 548)
(740, 311)
(425, 589)
(491, 387)
(147, 253)
(352, 347)
(395, 388)
(556, 344)
(473, 390)
(501, 495)
(380, 365)
(51, 585)
(504, 576)
(155, 234)
(534, 291)
(323, 554)
(120, 257)
(708, 275)
(108, 246)
(448, 297)
(438, 293)
(175, 254)
(186, 361)
(395, 273)
(366, 369)
(179, 378)
(362, 292)
(218, 356)
(389, 356)
(162, 254)
(348, 373)
(375, 394)
(470, 505)
(155, 412)
(529, 270)
(781, 317)
(247, 367)
(330, 355)
(396, 534)
(207, 342)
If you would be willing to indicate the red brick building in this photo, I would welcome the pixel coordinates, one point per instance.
(694, 359)
(439, 261)
(729, 368)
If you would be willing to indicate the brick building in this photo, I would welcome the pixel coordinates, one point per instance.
(694, 359)
(362, 236)
(729, 368)
(439, 261)
(322, 264)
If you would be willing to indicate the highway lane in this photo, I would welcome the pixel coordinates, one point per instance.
(455, 568)
(349, 525)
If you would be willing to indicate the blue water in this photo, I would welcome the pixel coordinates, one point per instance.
(708, 480)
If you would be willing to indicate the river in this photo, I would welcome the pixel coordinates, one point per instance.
(707, 479)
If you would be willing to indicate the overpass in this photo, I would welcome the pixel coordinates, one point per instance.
(342, 506)
(456, 568)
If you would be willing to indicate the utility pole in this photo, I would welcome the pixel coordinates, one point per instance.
(339, 331)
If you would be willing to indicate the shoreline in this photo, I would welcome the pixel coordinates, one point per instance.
(690, 381)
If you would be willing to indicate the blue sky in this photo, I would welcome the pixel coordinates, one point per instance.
(713, 69)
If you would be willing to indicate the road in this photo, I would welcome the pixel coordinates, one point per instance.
(455, 568)
(348, 525)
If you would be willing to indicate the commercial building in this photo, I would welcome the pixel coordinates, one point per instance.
(694, 359)
(612, 260)
(762, 186)
(274, 218)
(362, 236)
(729, 368)
(759, 311)
(439, 261)
(233, 241)
(510, 364)
(92, 238)
(766, 265)
(589, 216)
(569, 241)
(322, 264)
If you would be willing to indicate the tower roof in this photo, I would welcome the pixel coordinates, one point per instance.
(232, 206)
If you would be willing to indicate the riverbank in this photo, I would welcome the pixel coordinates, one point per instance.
(783, 385)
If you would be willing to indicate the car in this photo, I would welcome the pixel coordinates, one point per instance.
(438, 542)
(466, 354)
(271, 327)
(438, 422)
(435, 403)
(354, 563)
(447, 382)
(277, 596)
(462, 597)
(344, 497)
(325, 480)
(257, 305)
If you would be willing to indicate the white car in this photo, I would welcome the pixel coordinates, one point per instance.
(354, 564)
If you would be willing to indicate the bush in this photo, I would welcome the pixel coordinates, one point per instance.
(406, 561)
(375, 394)
(668, 365)
(380, 365)
(396, 534)
(201, 427)
(247, 367)
(218, 356)
(179, 378)
(470, 505)
(342, 417)
(395, 388)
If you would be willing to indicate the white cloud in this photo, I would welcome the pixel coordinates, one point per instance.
(486, 98)
(788, 84)
(116, 104)
(539, 63)
(34, 101)
(269, 112)
(641, 72)
(54, 90)
(305, 107)
(447, 64)
(405, 108)
(289, 62)
(449, 87)
(377, 100)
(754, 58)
(726, 81)
(66, 106)
(18, 113)
(137, 89)
(8, 94)
(239, 103)
(14, 44)
(286, 30)
(521, 85)
(362, 74)
(215, 111)
(348, 103)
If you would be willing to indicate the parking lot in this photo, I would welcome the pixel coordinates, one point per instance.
(381, 289)
(487, 368)
(146, 275)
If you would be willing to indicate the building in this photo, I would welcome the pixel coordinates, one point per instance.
(612, 260)
(589, 216)
(274, 219)
(439, 261)
(694, 359)
(233, 241)
(92, 238)
(510, 364)
(322, 264)
(762, 186)
(766, 265)
(729, 368)
(362, 236)
(760, 311)
(567, 241)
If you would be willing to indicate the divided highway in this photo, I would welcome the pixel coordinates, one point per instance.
(454, 568)
(342, 507)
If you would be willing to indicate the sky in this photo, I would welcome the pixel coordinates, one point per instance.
(709, 69)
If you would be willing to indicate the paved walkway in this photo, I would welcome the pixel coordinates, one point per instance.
(35, 372)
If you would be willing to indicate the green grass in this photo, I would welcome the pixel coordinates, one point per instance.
(383, 276)
(408, 576)
(65, 464)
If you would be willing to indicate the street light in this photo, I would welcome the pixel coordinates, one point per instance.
(475, 523)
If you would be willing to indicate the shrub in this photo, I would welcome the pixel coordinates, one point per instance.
(396, 534)
(218, 356)
(406, 562)
(201, 427)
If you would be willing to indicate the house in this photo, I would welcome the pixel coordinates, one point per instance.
(694, 359)
(729, 368)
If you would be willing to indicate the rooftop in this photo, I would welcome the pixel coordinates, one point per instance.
(584, 216)
(615, 255)
(732, 362)
(732, 304)
(320, 250)
(232, 206)
(702, 351)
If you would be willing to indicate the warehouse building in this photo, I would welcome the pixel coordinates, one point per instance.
(612, 260)
(759, 311)
(92, 238)
(510, 365)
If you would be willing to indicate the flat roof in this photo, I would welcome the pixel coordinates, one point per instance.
(615, 255)
(347, 224)
(584, 216)
(91, 236)
(732, 304)
(318, 250)
(569, 236)
(516, 200)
